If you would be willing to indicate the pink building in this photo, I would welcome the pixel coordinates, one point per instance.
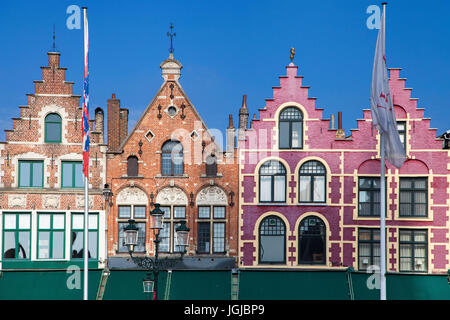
(309, 196)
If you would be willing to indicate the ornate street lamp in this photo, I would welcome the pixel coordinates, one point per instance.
(154, 265)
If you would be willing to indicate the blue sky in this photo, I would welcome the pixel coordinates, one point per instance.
(229, 48)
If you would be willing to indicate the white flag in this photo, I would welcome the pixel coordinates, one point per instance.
(383, 115)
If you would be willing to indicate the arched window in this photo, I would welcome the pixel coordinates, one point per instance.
(272, 241)
(172, 159)
(291, 129)
(132, 166)
(53, 128)
(311, 241)
(272, 182)
(312, 177)
(211, 165)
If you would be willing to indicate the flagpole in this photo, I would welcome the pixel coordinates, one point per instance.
(86, 181)
(383, 204)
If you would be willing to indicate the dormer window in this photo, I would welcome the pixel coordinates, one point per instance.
(291, 129)
(53, 128)
(172, 159)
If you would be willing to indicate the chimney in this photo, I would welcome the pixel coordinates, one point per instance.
(123, 125)
(243, 118)
(332, 122)
(100, 124)
(231, 133)
(113, 110)
(340, 133)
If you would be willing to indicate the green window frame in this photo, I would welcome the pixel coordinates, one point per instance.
(35, 174)
(413, 246)
(75, 169)
(77, 236)
(368, 247)
(16, 236)
(413, 197)
(51, 236)
(272, 182)
(53, 122)
(312, 182)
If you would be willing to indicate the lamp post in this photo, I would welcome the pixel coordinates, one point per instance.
(155, 265)
(107, 194)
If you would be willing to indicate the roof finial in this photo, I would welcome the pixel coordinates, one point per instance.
(54, 48)
(171, 35)
(292, 54)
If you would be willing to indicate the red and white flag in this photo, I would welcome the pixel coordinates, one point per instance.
(85, 121)
(383, 115)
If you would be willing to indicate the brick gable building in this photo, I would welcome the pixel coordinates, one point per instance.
(41, 185)
(309, 196)
(171, 158)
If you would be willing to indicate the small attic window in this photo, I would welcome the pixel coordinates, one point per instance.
(149, 135)
(172, 111)
(194, 135)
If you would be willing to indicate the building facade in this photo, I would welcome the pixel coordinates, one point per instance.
(171, 158)
(309, 197)
(42, 185)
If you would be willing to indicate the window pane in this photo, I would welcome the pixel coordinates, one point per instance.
(67, 174)
(44, 221)
(284, 134)
(219, 237)
(92, 244)
(305, 188)
(420, 236)
(53, 132)
(405, 235)
(58, 221)
(179, 212)
(79, 176)
(219, 213)
(77, 244)
(319, 188)
(139, 211)
(125, 212)
(405, 183)
(178, 164)
(166, 212)
(204, 212)
(265, 188)
(121, 245)
(24, 245)
(9, 245)
(24, 173)
(203, 237)
(420, 183)
(140, 247)
(77, 221)
(296, 134)
(10, 221)
(272, 249)
(166, 167)
(279, 188)
(164, 237)
(364, 234)
(176, 247)
(365, 183)
(58, 245)
(93, 221)
(44, 245)
(24, 221)
(37, 174)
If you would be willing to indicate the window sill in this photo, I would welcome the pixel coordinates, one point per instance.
(219, 175)
(184, 176)
(132, 177)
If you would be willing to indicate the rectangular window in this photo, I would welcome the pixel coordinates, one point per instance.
(369, 197)
(401, 127)
(219, 213)
(265, 188)
(368, 248)
(204, 212)
(413, 197)
(413, 250)
(203, 237)
(51, 231)
(140, 247)
(16, 236)
(77, 236)
(72, 174)
(164, 238)
(219, 237)
(31, 174)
